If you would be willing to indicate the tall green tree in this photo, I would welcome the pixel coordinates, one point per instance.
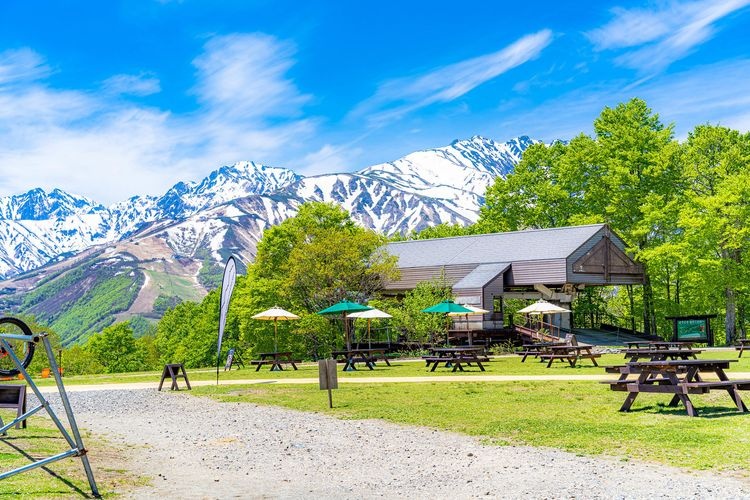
(715, 216)
(115, 349)
(625, 175)
(305, 264)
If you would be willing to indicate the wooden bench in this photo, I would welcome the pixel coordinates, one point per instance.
(571, 358)
(678, 378)
(529, 352)
(275, 362)
(456, 361)
(14, 396)
(744, 344)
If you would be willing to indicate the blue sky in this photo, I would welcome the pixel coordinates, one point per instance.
(116, 98)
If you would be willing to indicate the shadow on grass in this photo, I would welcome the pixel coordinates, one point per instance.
(701, 411)
(52, 473)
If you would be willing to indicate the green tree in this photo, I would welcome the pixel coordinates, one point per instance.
(444, 230)
(307, 263)
(715, 216)
(626, 175)
(115, 349)
(415, 324)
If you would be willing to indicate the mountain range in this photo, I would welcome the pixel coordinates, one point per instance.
(171, 245)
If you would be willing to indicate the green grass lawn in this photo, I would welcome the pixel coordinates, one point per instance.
(501, 365)
(64, 478)
(580, 417)
(577, 416)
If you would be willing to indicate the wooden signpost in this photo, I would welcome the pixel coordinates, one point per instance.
(328, 377)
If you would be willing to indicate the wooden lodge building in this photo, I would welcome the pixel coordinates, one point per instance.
(553, 264)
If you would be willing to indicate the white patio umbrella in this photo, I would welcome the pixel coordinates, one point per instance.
(543, 307)
(369, 315)
(275, 314)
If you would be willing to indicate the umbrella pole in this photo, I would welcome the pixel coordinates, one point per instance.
(275, 337)
(447, 329)
(346, 333)
(369, 342)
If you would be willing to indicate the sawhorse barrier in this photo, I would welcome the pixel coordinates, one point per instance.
(14, 396)
(174, 371)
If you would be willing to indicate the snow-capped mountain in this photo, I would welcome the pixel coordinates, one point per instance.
(236, 203)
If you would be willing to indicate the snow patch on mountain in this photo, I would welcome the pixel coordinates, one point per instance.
(230, 208)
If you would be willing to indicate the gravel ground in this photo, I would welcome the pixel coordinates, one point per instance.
(198, 448)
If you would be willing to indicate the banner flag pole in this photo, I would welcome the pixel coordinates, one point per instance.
(227, 285)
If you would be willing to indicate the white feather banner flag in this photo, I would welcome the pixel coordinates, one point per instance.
(227, 285)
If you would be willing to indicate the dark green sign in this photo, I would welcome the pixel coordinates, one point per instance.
(694, 330)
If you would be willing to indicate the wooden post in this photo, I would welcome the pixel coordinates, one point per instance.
(328, 377)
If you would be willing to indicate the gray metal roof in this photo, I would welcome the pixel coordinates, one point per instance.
(481, 275)
(537, 244)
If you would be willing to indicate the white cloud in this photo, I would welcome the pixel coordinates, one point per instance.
(703, 94)
(329, 158)
(654, 39)
(139, 85)
(102, 146)
(21, 66)
(244, 75)
(395, 98)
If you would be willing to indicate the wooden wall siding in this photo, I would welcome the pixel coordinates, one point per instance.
(469, 296)
(492, 289)
(548, 272)
(599, 278)
(410, 276)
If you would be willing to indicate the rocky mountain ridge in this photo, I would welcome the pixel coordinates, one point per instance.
(423, 188)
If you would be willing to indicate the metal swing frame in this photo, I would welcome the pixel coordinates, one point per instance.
(75, 442)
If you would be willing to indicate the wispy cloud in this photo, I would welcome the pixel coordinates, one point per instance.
(329, 158)
(395, 98)
(685, 98)
(245, 75)
(139, 85)
(107, 147)
(21, 65)
(653, 39)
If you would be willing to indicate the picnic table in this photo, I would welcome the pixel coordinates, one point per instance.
(536, 349)
(456, 357)
(744, 344)
(569, 353)
(679, 377)
(660, 344)
(367, 356)
(660, 354)
(275, 359)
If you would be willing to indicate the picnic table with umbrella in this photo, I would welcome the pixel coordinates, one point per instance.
(343, 308)
(542, 307)
(446, 307)
(275, 358)
(370, 315)
(275, 314)
(474, 310)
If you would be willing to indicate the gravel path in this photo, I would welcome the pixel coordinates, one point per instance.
(199, 448)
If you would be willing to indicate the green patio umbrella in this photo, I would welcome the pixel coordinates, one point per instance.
(446, 307)
(343, 308)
